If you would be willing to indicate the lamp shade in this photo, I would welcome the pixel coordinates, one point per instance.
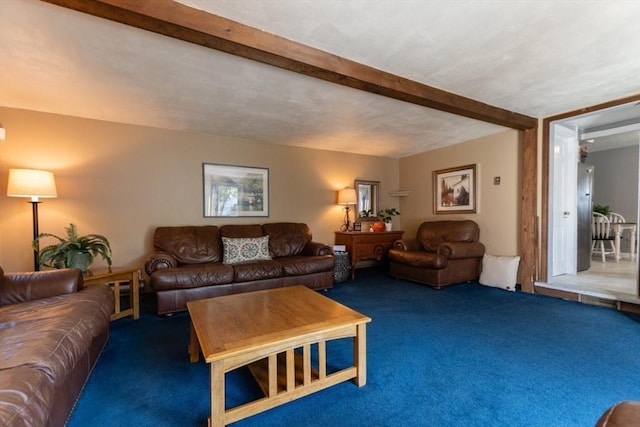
(347, 196)
(31, 183)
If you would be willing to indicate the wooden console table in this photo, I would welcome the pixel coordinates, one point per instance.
(115, 277)
(367, 245)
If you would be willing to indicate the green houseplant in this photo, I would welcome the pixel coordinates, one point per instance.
(368, 213)
(386, 215)
(602, 209)
(74, 251)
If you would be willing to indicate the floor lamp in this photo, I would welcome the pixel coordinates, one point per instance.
(34, 184)
(347, 196)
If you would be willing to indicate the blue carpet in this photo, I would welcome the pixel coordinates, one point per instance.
(464, 356)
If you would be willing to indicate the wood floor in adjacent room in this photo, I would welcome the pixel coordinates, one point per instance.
(614, 281)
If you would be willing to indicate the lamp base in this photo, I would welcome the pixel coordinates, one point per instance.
(36, 249)
(347, 222)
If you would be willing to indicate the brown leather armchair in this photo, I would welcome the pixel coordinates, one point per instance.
(443, 253)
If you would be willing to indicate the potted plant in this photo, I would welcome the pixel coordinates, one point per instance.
(602, 209)
(74, 251)
(386, 215)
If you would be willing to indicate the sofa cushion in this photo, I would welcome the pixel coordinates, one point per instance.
(243, 249)
(300, 265)
(241, 230)
(189, 244)
(52, 334)
(21, 287)
(287, 238)
(433, 233)
(418, 259)
(256, 270)
(27, 397)
(191, 276)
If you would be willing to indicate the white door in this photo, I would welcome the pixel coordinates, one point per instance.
(563, 206)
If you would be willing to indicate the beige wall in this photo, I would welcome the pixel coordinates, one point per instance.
(123, 181)
(498, 213)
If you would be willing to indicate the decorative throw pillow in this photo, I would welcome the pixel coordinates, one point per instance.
(242, 249)
(500, 271)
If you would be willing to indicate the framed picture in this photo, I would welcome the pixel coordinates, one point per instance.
(454, 190)
(235, 191)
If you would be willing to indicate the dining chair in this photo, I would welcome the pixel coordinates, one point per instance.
(615, 218)
(601, 233)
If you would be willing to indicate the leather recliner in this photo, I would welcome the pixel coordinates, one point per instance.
(443, 253)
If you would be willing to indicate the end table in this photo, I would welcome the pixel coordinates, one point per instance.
(115, 277)
(366, 245)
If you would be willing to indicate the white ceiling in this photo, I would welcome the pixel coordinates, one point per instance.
(537, 58)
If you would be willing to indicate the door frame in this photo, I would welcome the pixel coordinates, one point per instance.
(543, 268)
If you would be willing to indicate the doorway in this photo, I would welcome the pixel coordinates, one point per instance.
(571, 138)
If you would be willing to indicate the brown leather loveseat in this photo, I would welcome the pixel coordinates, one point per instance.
(443, 253)
(195, 262)
(52, 330)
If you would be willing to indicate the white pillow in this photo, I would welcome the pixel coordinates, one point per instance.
(500, 271)
(242, 249)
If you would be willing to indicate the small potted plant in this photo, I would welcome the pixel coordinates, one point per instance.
(74, 251)
(386, 215)
(366, 213)
(602, 209)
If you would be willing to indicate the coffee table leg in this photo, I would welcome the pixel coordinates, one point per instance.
(360, 354)
(194, 346)
(217, 394)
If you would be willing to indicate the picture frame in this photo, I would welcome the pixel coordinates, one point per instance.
(454, 190)
(234, 191)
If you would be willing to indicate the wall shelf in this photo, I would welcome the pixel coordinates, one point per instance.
(399, 193)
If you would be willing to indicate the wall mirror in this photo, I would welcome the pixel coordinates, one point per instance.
(367, 195)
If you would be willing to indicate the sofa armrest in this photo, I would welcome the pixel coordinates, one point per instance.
(22, 287)
(317, 249)
(158, 261)
(457, 250)
(407, 245)
(622, 414)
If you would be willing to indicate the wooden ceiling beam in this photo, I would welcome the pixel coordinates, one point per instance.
(185, 23)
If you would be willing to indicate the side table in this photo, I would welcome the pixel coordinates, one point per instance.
(366, 244)
(115, 277)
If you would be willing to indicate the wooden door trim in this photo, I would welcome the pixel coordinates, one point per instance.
(544, 202)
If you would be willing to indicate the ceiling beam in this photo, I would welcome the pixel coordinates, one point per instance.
(185, 23)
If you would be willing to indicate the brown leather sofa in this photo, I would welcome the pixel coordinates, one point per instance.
(52, 330)
(443, 253)
(188, 263)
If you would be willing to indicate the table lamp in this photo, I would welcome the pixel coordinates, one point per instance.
(347, 196)
(34, 184)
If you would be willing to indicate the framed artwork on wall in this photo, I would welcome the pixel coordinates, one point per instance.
(454, 190)
(235, 191)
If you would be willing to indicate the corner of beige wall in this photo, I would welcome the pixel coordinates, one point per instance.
(498, 213)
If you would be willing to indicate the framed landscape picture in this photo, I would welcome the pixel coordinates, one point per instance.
(454, 190)
(235, 191)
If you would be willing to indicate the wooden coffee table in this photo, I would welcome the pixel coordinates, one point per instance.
(272, 331)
